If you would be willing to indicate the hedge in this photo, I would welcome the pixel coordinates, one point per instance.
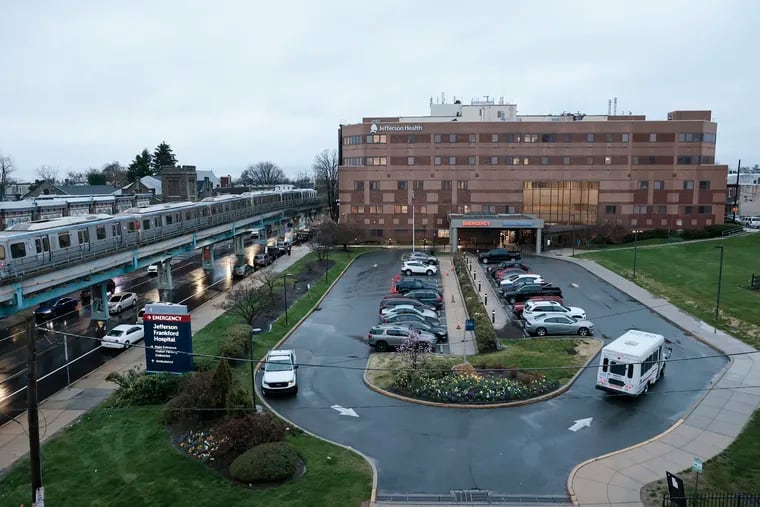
(274, 461)
(485, 336)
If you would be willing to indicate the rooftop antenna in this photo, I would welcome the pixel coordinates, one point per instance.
(609, 107)
(615, 107)
(443, 98)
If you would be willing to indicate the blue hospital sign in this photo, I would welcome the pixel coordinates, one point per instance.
(168, 339)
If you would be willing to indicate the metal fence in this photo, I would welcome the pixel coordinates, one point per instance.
(730, 500)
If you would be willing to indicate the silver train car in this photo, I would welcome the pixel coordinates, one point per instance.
(43, 245)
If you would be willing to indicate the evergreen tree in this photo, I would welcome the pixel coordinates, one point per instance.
(140, 166)
(163, 155)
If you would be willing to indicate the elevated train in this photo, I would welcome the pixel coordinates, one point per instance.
(37, 246)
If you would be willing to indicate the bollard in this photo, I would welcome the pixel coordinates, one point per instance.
(478, 287)
(474, 275)
(486, 300)
(493, 316)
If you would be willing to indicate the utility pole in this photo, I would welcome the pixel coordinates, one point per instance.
(32, 416)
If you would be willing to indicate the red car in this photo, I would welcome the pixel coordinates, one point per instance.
(499, 275)
(518, 307)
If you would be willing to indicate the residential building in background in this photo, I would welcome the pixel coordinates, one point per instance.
(568, 169)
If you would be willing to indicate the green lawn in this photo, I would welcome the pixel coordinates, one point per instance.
(123, 456)
(563, 356)
(687, 275)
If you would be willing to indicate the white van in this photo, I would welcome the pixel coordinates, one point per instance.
(630, 364)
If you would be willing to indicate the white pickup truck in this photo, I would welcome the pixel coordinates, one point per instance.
(280, 372)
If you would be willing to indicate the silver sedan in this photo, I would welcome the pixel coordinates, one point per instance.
(544, 324)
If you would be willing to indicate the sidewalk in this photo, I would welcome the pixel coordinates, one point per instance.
(710, 426)
(65, 407)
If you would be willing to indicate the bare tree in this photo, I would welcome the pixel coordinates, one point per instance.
(264, 173)
(6, 168)
(303, 179)
(76, 178)
(414, 349)
(323, 239)
(326, 178)
(115, 174)
(46, 173)
(248, 301)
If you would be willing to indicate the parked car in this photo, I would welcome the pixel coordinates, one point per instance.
(123, 336)
(418, 268)
(427, 296)
(507, 283)
(393, 302)
(280, 372)
(440, 332)
(57, 307)
(406, 284)
(384, 338)
(498, 255)
(262, 260)
(407, 317)
(519, 306)
(535, 307)
(399, 309)
(507, 265)
(528, 291)
(423, 257)
(242, 270)
(543, 324)
(118, 302)
(503, 273)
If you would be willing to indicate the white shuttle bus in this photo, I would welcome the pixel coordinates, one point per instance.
(630, 364)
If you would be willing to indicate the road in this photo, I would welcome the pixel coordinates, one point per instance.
(193, 286)
(520, 450)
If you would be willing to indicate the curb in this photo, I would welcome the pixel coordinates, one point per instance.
(577, 467)
(262, 400)
(678, 423)
(553, 394)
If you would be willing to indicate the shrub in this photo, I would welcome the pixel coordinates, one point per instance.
(204, 395)
(274, 461)
(485, 336)
(239, 434)
(203, 363)
(235, 343)
(136, 388)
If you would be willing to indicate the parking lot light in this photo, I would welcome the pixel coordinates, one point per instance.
(720, 280)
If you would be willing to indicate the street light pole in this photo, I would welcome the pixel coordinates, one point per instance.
(572, 224)
(253, 372)
(412, 220)
(635, 250)
(720, 280)
(285, 293)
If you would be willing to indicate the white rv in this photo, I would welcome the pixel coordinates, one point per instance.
(630, 364)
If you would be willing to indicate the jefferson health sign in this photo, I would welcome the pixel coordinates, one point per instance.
(168, 339)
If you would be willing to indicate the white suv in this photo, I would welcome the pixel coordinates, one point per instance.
(536, 307)
(418, 268)
(280, 372)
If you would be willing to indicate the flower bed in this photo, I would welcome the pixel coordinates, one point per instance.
(469, 387)
(201, 445)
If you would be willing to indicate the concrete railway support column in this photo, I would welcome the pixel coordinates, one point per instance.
(539, 241)
(99, 303)
(165, 280)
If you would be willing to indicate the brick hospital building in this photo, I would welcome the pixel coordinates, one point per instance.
(570, 170)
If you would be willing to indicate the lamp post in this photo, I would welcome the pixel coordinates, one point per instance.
(635, 250)
(327, 261)
(572, 224)
(254, 331)
(285, 294)
(720, 280)
(412, 221)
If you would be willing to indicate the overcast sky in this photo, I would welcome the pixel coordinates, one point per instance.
(229, 83)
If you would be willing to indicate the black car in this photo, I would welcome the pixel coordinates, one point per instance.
(86, 294)
(528, 291)
(498, 255)
(406, 284)
(56, 308)
(428, 296)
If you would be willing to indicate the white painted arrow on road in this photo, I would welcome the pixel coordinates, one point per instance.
(580, 423)
(345, 411)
